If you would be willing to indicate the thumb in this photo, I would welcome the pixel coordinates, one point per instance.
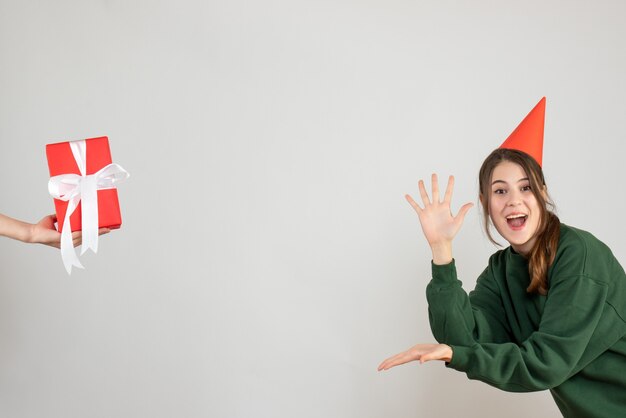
(463, 211)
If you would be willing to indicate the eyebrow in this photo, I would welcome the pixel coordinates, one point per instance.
(502, 181)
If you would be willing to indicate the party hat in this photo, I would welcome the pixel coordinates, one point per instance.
(528, 136)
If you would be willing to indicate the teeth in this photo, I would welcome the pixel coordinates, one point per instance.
(516, 216)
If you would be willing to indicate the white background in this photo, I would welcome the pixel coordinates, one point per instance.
(268, 261)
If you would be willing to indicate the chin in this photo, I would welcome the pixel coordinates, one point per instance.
(515, 239)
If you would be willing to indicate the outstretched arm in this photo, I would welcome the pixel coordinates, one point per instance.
(43, 232)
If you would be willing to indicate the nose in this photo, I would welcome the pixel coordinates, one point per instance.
(514, 198)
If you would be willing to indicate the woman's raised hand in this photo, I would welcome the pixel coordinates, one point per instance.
(421, 352)
(439, 225)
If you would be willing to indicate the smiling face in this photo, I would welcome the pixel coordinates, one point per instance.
(513, 208)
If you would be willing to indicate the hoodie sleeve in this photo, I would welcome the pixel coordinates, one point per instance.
(459, 318)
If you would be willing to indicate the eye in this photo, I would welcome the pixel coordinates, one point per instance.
(499, 191)
(526, 188)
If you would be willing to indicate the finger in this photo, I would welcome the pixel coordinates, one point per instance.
(398, 362)
(448, 196)
(463, 211)
(77, 238)
(423, 193)
(103, 231)
(388, 362)
(386, 365)
(413, 203)
(398, 359)
(435, 185)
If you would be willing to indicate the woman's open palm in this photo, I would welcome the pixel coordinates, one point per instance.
(439, 225)
(419, 352)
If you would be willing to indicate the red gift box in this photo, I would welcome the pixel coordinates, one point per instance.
(61, 161)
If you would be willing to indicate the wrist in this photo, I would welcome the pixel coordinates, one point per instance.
(29, 234)
(442, 253)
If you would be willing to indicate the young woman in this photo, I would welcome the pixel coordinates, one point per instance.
(548, 312)
(43, 232)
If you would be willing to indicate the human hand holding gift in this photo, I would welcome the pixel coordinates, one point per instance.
(82, 182)
(43, 232)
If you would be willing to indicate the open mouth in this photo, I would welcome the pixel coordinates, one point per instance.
(516, 221)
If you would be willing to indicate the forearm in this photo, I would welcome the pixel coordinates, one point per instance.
(15, 229)
(459, 318)
(531, 366)
(450, 313)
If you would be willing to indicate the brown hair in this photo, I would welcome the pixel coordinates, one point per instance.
(542, 254)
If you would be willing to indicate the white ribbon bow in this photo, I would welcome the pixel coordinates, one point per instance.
(73, 188)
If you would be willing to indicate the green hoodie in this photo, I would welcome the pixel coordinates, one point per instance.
(571, 341)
